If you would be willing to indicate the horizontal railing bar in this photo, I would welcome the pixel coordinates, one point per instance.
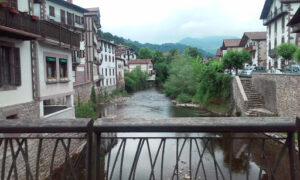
(45, 125)
(37, 138)
(202, 124)
(250, 138)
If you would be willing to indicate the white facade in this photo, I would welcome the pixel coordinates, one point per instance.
(107, 68)
(277, 30)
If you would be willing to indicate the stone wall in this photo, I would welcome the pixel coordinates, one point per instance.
(29, 110)
(83, 91)
(239, 95)
(281, 92)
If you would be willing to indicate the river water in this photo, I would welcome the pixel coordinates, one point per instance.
(152, 103)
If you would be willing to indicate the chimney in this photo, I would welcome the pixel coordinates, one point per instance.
(70, 1)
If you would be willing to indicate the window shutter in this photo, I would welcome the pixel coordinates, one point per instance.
(17, 65)
(1, 82)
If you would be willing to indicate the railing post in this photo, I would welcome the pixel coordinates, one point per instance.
(292, 157)
(89, 157)
(98, 155)
(298, 131)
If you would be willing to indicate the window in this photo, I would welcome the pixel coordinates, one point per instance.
(106, 82)
(109, 71)
(105, 71)
(70, 18)
(13, 4)
(113, 59)
(51, 68)
(77, 19)
(105, 58)
(82, 20)
(113, 72)
(10, 68)
(63, 16)
(109, 59)
(282, 24)
(63, 68)
(51, 11)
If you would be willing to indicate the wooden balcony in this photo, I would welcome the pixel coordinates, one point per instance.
(18, 25)
(60, 34)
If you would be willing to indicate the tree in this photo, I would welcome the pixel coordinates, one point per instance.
(145, 53)
(286, 51)
(297, 54)
(236, 59)
(192, 51)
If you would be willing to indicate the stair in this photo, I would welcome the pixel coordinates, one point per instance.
(255, 101)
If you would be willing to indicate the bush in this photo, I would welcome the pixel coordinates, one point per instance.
(135, 80)
(85, 110)
(184, 98)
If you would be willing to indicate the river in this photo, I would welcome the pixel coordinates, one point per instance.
(152, 103)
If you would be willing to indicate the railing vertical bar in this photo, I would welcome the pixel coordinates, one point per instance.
(138, 157)
(108, 160)
(66, 159)
(135, 158)
(162, 160)
(214, 158)
(248, 160)
(177, 159)
(3, 160)
(24, 154)
(292, 156)
(38, 160)
(52, 158)
(14, 158)
(200, 159)
(122, 159)
(69, 159)
(262, 158)
(230, 158)
(13, 163)
(190, 160)
(155, 159)
(89, 157)
(298, 133)
(116, 159)
(98, 155)
(279, 157)
(150, 157)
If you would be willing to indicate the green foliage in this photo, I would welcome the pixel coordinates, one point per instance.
(286, 50)
(192, 51)
(205, 83)
(297, 54)
(135, 80)
(93, 98)
(145, 53)
(236, 59)
(184, 98)
(85, 110)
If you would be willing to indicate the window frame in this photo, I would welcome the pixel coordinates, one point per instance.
(52, 11)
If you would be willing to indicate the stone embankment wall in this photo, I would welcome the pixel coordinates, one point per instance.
(83, 91)
(281, 92)
(29, 110)
(239, 95)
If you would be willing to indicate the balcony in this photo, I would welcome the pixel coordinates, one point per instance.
(276, 15)
(60, 35)
(46, 149)
(15, 24)
(296, 28)
(272, 53)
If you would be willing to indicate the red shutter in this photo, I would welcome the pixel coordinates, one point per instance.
(17, 66)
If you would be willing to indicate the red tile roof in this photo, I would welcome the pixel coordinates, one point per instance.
(165, 53)
(256, 35)
(140, 61)
(232, 42)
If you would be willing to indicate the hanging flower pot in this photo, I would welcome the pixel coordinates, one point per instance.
(25, 13)
(36, 18)
(14, 11)
(3, 4)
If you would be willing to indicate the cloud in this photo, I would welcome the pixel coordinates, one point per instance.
(160, 21)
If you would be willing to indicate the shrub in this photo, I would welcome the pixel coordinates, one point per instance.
(85, 110)
(184, 98)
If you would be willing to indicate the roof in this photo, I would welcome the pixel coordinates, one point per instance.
(69, 5)
(231, 42)
(256, 35)
(140, 61)
(295, 19)
(289, 1)
(165, 53)
(106, 41)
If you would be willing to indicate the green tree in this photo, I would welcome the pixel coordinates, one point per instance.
(297, 54)
(93, 97)
(286, 51)
(192, 51)
(236, 59)
(135, 80)
(145, 53)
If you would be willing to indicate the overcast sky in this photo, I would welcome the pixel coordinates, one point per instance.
(161, 21)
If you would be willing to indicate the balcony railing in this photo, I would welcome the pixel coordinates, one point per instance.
(176, 155)
(60, 34)
(19, 21)
(276, 15)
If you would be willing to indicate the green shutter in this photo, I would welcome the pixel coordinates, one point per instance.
(17, 65)
(63, 60)
(50, 59)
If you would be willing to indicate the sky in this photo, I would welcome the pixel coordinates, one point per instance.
(163, 21)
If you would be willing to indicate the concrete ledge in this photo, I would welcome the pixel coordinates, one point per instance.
(241, 88)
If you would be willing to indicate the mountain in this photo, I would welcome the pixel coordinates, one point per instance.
(209, 44)
(137, 45)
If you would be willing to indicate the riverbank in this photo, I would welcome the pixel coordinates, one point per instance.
(221, 110)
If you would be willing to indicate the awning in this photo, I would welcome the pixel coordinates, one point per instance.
(50, 59)
(63, 60)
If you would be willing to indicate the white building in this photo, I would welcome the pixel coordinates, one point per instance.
(107, 68)
(17, 96)
(125, 53)
(275, 15)
(231, 44)
(255, 42)
(146, 65)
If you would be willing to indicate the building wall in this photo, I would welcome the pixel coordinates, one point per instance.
(23, 93)
(120, 74)
(144, 67)
(48, 91)
(280, 91)
(23, 5)
(262, 53)
(82, 92)
(109, 78)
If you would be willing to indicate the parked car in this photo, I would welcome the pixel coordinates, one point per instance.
(293, 69)
(259, 69)
(276, 71)
(247, 72)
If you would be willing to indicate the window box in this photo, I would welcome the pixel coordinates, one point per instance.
(64, 80)
(3, 4)
(25, 13)
(51, 80)
(36, 18)
(13, 10)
